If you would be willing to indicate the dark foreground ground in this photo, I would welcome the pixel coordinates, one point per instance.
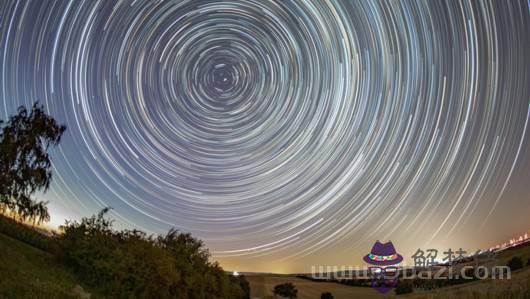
(516, 287)
(28, 272)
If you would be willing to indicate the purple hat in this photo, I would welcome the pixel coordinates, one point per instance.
(383, 254)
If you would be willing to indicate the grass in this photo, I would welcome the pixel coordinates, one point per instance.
(516, 287)
(28, 272)
(261, 287)
(33, 236)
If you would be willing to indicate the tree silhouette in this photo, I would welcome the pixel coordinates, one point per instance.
(132, 264)
(405, 287)
(39, 213)
(287, 290)
(25, 165)
(515, 263)
(326, 295)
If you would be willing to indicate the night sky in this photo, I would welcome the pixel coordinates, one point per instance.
(284, 134)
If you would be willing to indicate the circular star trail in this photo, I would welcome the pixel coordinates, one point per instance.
(269, 127)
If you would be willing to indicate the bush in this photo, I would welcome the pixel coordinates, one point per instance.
(515, 263)
(403, 287)
(24, 233)
(287, 290)
(243, 284)
(326, 295)
(130, 264)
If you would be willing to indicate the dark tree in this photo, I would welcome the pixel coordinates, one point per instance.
(287, 290)
(25, 165)
(245, 286)
(404, 287)
(326, 295)
(515, 263)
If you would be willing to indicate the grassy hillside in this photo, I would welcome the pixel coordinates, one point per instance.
(28, 272)
(518, 287)
(261, 287)
(116, 264)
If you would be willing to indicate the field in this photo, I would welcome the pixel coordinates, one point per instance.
(516, 287)
(28, 272)
(261, 287)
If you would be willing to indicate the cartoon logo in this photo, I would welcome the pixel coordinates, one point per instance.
(383, 258)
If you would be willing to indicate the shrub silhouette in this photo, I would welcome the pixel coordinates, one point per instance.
(326, 295)
(129, 263)
(22, 232)
(403, 287)
(25, 165)
(287, 290)
(515, 263)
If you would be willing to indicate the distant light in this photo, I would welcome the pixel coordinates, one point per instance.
(235, 273)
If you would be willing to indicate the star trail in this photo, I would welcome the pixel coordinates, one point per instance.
(279, 129)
